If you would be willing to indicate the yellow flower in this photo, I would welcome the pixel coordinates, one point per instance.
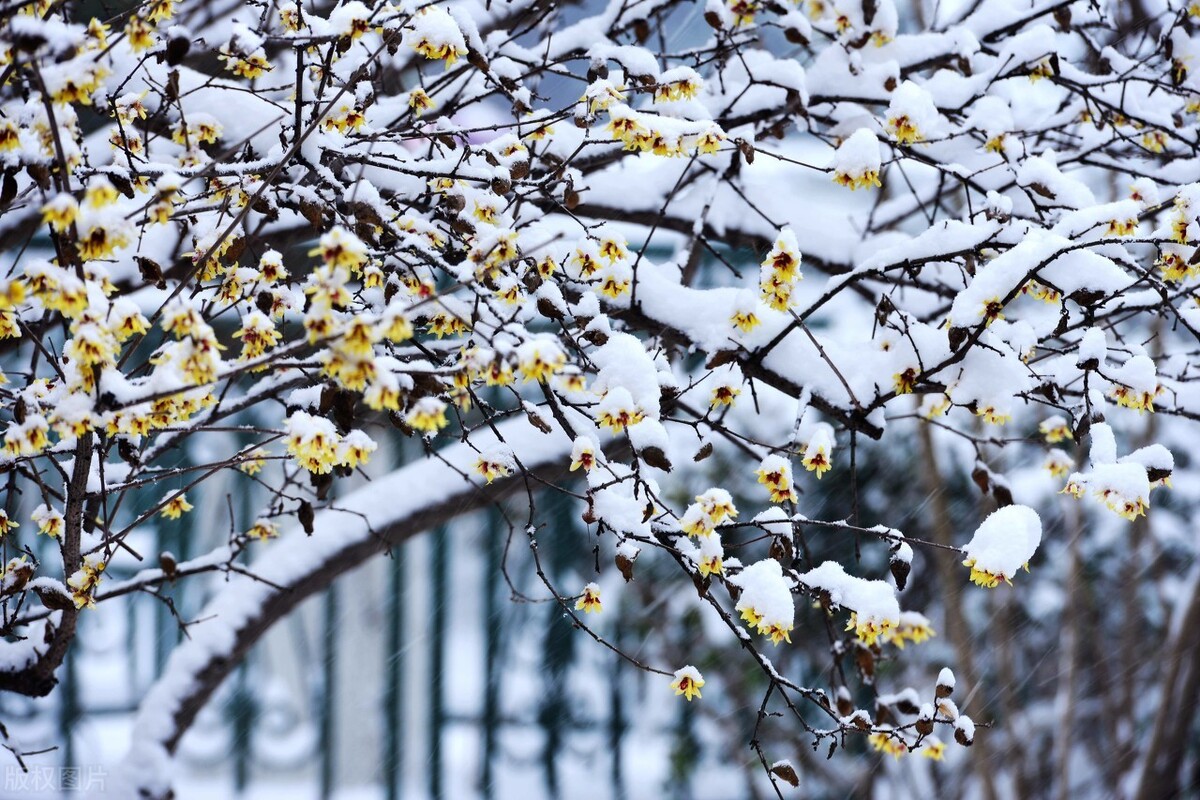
(1155, 141)
(436, 36)
(869, 630)
(1131, 398)
(583, 454)
(1121, 227)
(863, 180)
(443, 323)
(695, 522)
(420, 102)
(1058, 464)
(589, 601)
(254, 461)
(718, 505)
(743, 11)
(904, 382)
(140, 34)
(262, 530)
(98, 31)
(49, 521)
(427, 415)
(6, 524)
(992, 416)
(83, 582)
(614, 285)
(613, 248)
(904, 130)
(617, 411)
(60, 212)
(687, 682)
(101, 193)
(176, 507)
(934, 749)
(252, 66)
(887, 743)
(491, 468)
(816, 459)
(1175, 267)
(1128, 507)
(723, 395)
(776, 633)
(710, 141)
(341, 248)
(257, 333)
(776, 475)
(355, 448)
(10, 136)
(1055, 430)
(988, 580)
(160, 10)
(913, 627)
(745, 320)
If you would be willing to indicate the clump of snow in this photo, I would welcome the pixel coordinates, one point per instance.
(1005, 541)
(874, 602)
(766, 599)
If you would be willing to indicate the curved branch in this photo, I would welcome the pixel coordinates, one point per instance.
(369, 521)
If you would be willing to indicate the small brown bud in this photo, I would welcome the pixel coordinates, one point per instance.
(306, 516)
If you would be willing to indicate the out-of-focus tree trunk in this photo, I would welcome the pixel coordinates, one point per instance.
(951, 578)
(1073, 617)
(1163, 756)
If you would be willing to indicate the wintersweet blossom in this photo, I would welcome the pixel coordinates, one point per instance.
(1055, 430)
(427, 415)
(776, 474)
(495, 463)
(83, 582)
(687, 682)
(819, 450)
(434, 34)
(583, 454)
(913, 627)
(49, 521)
(617, 411)
(263, 529)
(889, 743)
(176, 506)
(589, 600)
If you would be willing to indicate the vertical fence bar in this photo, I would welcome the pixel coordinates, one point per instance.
(243, 719)
(494, 548)
(437, 661)
(328, 687)
(616, 719)
(560, 558)
(393, 756)
(244, 706)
